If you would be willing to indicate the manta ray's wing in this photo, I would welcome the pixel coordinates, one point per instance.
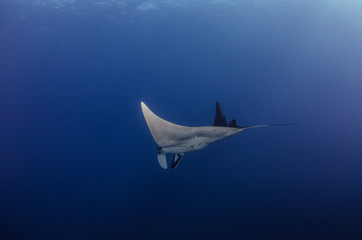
(164, 132)
(220, 119)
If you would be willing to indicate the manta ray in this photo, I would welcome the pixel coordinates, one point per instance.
(178, 140)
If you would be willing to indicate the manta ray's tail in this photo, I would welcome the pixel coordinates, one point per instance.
(220, 120)
(269, 125)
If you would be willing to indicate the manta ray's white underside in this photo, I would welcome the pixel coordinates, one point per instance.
(173, 138)
(177, 139)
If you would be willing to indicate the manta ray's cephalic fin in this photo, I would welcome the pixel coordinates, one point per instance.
(161, 157)
(176, 160)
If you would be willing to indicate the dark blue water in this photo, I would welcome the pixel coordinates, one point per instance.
(77, 160)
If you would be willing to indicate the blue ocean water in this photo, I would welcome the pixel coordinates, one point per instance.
(77, 160)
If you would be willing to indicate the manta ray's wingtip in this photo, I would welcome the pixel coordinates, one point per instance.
(143, 106)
